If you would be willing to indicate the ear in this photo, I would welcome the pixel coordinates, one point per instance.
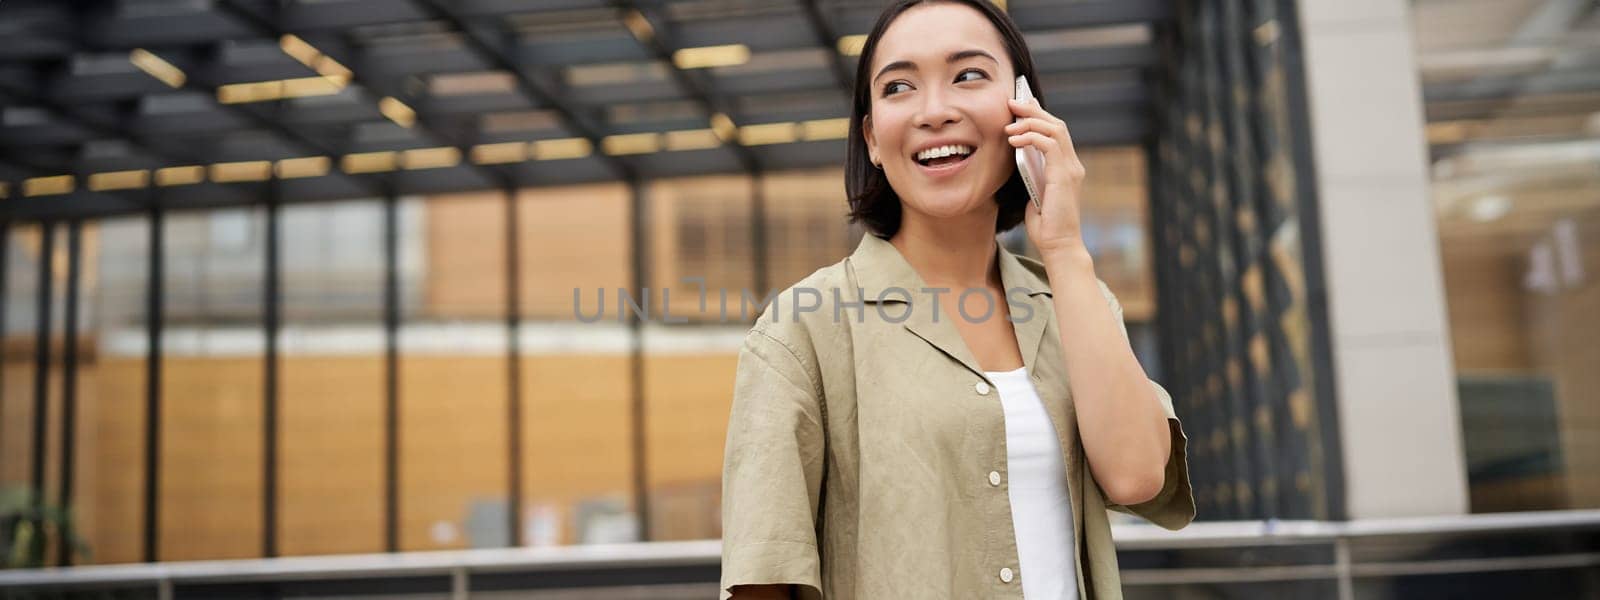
(871, 139)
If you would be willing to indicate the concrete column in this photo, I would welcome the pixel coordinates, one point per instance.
(1398, 414)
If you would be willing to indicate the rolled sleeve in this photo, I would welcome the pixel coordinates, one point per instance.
(772, 470)
(1172, 508)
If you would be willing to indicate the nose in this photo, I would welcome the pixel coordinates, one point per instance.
(937, 111)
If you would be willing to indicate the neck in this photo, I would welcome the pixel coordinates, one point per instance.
(956, 253)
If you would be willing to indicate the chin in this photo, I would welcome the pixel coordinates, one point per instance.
(949, 203)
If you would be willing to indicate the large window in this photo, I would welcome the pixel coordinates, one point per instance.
(331, 379)
(1515, 147)
(111, 394)
(211, 386)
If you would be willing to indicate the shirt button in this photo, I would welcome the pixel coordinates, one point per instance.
(1006, 575)
(982, 387)
(994, 478)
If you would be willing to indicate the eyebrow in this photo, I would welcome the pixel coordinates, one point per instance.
(954, 57)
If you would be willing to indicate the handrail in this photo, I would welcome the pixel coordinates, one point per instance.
(705, 553)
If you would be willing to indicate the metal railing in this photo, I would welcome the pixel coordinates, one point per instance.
(1356, 550)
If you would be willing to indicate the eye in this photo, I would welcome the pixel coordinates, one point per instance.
(889, 87)
(963, 73)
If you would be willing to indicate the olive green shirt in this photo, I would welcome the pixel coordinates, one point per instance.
(866, 455)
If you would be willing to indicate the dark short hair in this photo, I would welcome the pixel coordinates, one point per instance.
(873, 202)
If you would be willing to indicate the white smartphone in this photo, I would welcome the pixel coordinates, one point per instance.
(1030, 161)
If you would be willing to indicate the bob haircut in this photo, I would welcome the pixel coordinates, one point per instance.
(873, 202)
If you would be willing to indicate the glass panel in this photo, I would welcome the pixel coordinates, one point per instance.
(806, 226)
(1516, 194)
(16, 428)
(113, 347)
(577, 461)
(211, 444)
(453, 373)
(331, 379)
(689, 367)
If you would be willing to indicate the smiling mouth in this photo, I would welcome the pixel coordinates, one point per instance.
(944, 161)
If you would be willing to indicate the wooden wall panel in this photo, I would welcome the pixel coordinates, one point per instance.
(330, 477)
(16, 410)
(465, 252)
(572, 237)
(1483, 291)
(452, 445)
(211, 478)
(109, 481)
(689, 396)
(576, 435)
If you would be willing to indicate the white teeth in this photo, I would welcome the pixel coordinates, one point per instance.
(941, 151)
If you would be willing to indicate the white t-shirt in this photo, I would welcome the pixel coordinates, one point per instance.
(1041, 510)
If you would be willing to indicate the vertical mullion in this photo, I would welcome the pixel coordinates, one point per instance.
(41, 364)
(5, 305)
(271, 323)
(758, 234)
(636, 234)
(391, 373)
(152, 418)
(69, 384)
(1309, 215)
(513, 368)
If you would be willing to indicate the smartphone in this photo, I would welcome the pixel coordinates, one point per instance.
(1030, 161)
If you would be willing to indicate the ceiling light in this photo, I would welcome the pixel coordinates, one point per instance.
(368, 162)
(265, 91)
(495, 154)
(259, 91)
(119, 180)
(1489, 208)
(562, 148)
(310, 166)
(631, 143)
(48, 186)
(767, 133)
(639, 26)
(253, 170)
(825, 129)
(180, 175)
(724, 127)
(302, 51)
(157, 68)
(328, 67)
(692, 139)
(397, 111)
(430, 158)
(711, 56)
(850, 45)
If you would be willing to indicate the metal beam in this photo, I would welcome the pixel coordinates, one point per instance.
(270, 26)
(828, 39)
(541, 95)
(698, 86)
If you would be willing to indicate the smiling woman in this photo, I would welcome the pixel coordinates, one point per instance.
(918, 452)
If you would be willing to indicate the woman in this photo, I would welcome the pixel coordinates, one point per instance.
(885, 444)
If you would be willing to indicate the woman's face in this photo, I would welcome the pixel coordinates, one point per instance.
(922, 99)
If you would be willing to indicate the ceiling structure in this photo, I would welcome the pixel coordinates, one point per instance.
(109, 106)
(1511, 90)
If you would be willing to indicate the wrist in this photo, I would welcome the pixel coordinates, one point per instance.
(1067, 260)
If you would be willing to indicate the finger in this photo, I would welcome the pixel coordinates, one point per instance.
(1051, 128)
(1027, 108)
(1046, 144)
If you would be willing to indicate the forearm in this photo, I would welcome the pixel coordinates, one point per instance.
(1121, 423)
